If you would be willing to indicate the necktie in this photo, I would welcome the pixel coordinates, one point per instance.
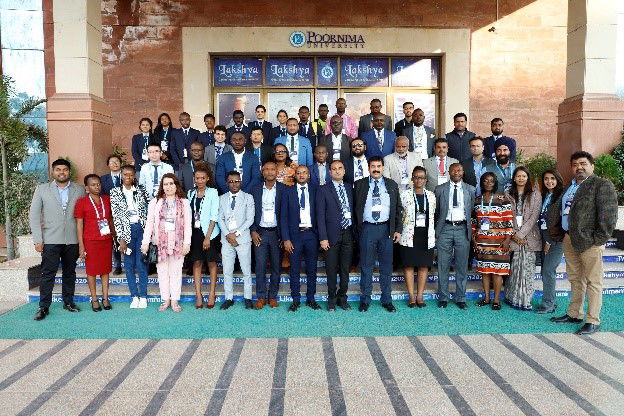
(146, 138)
(257, 152)
(260, 124)
(321, 168)
(186, 132)
(283, 131)
(117, 183)
(305, 129)
(360, 168)
(455, 200)
(441, 166)
(302, 198)
(218, 150)
(345, 222)
(155, 174)
(292, 143)
(376, 214)
(233, 204)
(379, 140)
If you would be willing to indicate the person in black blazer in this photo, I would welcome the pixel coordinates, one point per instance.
(280, 128)
(496, 125)
(334, 152)
(298, 231)
(265, 233)
(258, 147)
(163, 135)
(378, 218)
(478, 159)
(238, 117)
(319, 171)
(334, 208)
(306, 127)
(207, 137)
(264, 125)
(182, 139)
(186, 173)
(427, 135)
(141, 141)
(356, 166)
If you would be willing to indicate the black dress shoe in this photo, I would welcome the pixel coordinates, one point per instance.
(345, 306)
(462, 305)
(442, 304)
(421, 305)
(389, 307)
(248, 304)
(331, 309)
(41, 314)
(107, 307)
(117, 271)
(312, 304)
(566, 319)
(99, 307)
(293, 307)
(72, 307)
(588, 329)
(363, 307)
(411, 304)
(227, 304)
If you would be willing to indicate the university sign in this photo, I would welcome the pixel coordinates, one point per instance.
(311, 39)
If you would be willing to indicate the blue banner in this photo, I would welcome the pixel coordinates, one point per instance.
(415, 72)
(327, 72)
(364, 72)
(237, 72)
(289, 72)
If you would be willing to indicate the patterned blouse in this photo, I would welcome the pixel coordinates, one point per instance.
(499, 216)
(287, 175)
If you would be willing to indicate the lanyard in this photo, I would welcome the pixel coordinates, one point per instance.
(489, 205)
(97, 214)
(546, 203)
(201, 204)
(418, 205)
(511, 167)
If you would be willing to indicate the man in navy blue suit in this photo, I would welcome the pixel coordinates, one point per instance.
(240, 160)
(319, 172)
(334, 206)
(262, 124)
(306, 127)
(297, 226)
(238, 117)
(490, 143)
(109, 181)
(181, 141)
(207, 138)
(379, 141)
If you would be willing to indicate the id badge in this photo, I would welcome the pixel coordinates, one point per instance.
(418, 148)
(442, 179)
(196, 222)
(542, 224)
(376, 205)
(347, 214)
(134, 218)
(164, 145)
(104, 228)
(232, 225)
(519, 220)
(336, 151)
(169, 224)
(421, 219)
(268, 215)
(485, 224)
(404, 179)
(144, 155)
(566, 208)
(184, 152)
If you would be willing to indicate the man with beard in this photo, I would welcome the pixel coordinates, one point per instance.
(337, 142)
(504, 167)
(356, 166)
(421, 137)
(459, 138)
(497, 135)
(348, 124)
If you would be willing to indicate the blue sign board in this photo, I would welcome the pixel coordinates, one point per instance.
(237, 72)
(327, 72)
(415, 72)
(289, 72)
(364, 72)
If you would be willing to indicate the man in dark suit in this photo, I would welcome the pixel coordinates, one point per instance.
(109, 181)
(258, 147)
(366, 121)
(186, 173)
(378, 217)
(213, 151)
(298, 228)
(140, 142)
(265, 233)
(306, 127)
(319, 171)
(337, 143)
(182, 139)
(496, 126)
(207, 138)
(264, 125)
(238, 117)
(379, 141)
(408, 121)
(356, 165)
(244, 162)
(334, 207)
(421, 138)
(476, 165)
(321, 121)
(458, 139)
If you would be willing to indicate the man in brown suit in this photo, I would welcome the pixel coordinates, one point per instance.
(584, 219)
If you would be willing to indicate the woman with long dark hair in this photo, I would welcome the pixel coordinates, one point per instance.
(140, 142)
(162, 135)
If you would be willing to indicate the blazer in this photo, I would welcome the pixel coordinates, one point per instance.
(209, 210)
(459, 147)
(210, 156)
(329, 211)
(360, 193)
(107, 183)
(442, 194)
(266, 131)
(315, 177)
(409, 218)
(243, 214)
(401, 125)
(431, 167)
(152, 225)
(469, 172)
(345, 146)
(245, 130)
(251, 171)
(181, 143)
(489, 149)
(48, 223)
(304, 153)
(372, 146)
(492, 167)
(392, 166)
(312, 133)
(256, 193)
(138, 144)
(592, 217)
(431, 138)
(266, 152)
(530, 230)
(186, 175)
(289, 218)
(366, 124)
(350, 168)
(206, 138)
(119, 208)
(277, 132)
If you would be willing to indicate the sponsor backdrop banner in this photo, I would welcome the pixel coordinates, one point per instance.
(237, 72)
(364, 72)
(289, 72)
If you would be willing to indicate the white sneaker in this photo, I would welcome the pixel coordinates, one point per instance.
(142, 303)
(135, 302)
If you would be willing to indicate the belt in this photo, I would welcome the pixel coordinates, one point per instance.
(455, 223)
(268, 228)
(305, 229)
(376, 223)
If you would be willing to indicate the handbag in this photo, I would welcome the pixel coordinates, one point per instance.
(152, 254)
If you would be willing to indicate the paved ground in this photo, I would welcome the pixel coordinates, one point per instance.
(553, 374)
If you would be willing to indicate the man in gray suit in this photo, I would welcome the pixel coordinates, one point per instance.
(213, 152)
(366, 121)
(236, 215)
(399, 165)
(421, 137)
(53, 228)
(438, 166)
(338, 144)
(453, 234)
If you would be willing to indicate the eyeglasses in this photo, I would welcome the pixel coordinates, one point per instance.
(235, 181)
(419, 177)
(357, 145)
(281, 151)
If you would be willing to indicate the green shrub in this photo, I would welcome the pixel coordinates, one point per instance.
(607, 167)
(21, 188)
(537, 164)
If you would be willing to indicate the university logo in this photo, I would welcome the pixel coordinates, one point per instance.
(327, 71)
(297, 39)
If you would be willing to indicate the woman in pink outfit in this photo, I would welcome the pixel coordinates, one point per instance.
(168, 227)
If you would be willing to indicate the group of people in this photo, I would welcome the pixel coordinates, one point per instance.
(267, 196)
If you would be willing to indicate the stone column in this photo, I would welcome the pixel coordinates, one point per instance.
(79, 120)
(591, 116)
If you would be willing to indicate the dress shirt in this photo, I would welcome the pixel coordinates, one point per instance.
(321, 170)
(268, 203)
(456, 213)
(567, 199)
(348, 125)
(445, 164)
(146, 177)
(478, 170)
(289, 139)
(379, 136)
(63, 194)
(507, 173)
(364, 164)
(344, 208)
(238, 161)
(336, 145)
(306, 127)
(385, 201)
(419, 137)
(404, 183)
(118, 176)
(305, 218)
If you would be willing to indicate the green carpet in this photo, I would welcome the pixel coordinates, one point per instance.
(122, 322)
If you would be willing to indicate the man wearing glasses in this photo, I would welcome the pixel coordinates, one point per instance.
(356, 166)
(240, 160)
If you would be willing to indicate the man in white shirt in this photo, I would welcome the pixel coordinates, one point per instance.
(438, 166)
(356, 167)
(400, 164)
(152, 172)
(337, 142)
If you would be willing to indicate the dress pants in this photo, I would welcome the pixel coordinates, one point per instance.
(586, 274)
(550, 262)
(453, 238)
(52, 255)
(375, 239)
(134, 261)
(228, 256)
(307, 246)
(169, 272)
(268, 250)
(338, 259)
(116, 258)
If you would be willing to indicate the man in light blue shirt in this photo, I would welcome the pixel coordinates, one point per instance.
(152, 172)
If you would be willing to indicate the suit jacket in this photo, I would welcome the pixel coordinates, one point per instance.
(592, 217)
(181, 144)
(315, 177)
(431, 167)
(243, 214)
(209, 210)
(366, 124)
(256, 192)
(345, 146)
(442, 194)
(227, 163)
(206, 138)
(392, 166)
(360, 193)
(489, 149)
(329, 211)
(245, 130)
(372, 146)
(401, 125)
(469, 172)
(266, 131)
(459, 147)
(165, 141)
(48, 223)
(289, 218)
(431, 138)
(277, 132)
(107, 183)
(304, 152)
(210, 156)
(266, 152)
(350, 168)
(186, 174)
(138, 144)
(312, 133)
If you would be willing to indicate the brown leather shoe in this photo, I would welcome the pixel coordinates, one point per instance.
(273, 303)
(260, 304)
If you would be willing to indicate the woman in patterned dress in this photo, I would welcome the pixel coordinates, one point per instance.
(492, 228)
(285, 166)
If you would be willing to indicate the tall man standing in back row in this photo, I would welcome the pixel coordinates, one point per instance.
(459, 139)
